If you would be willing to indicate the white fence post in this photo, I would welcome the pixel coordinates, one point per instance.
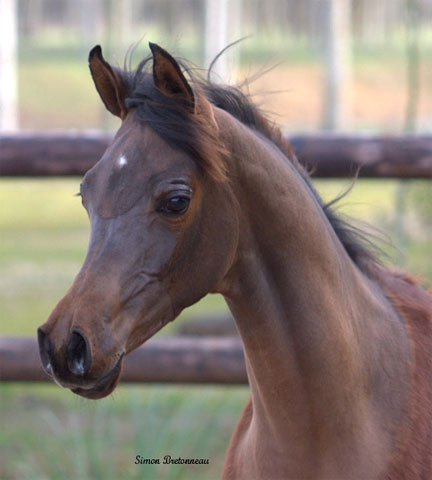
(8, 65)
(337, 63)
(216, 36)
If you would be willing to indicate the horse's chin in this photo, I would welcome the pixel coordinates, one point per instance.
(103, 387)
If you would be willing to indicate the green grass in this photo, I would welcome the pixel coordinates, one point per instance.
(73, 102)
(48, 433)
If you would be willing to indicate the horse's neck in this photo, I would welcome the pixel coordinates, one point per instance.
(321, 341)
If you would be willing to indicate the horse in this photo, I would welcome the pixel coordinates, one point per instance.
(199, 193)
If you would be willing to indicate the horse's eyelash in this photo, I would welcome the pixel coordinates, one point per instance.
(78, 194)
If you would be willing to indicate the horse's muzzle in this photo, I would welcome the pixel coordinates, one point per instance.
(104, 385)
(78, 356)
(70, 366)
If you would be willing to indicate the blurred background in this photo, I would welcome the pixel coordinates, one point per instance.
(362, 66)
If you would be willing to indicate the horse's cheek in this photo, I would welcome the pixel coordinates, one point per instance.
(204, 256)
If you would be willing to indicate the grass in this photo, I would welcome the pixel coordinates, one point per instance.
(50, 434)
(72, 100)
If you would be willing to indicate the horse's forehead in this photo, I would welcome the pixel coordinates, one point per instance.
(136, 158)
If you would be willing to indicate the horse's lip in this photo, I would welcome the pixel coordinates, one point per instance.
(104, 386)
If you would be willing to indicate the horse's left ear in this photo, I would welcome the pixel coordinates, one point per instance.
(169, 78)
(108, 82)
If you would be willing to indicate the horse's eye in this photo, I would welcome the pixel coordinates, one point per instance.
(175, 205)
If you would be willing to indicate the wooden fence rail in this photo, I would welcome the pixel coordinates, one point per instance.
(173, 359)
(73, 153)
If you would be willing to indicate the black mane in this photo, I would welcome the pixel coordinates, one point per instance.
(178, 128)
(356, 242)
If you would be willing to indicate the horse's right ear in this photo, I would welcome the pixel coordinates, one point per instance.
(108, 82)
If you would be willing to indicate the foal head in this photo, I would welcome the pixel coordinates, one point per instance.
(162, 230)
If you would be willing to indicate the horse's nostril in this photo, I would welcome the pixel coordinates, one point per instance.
(45, 350)
(78, 354)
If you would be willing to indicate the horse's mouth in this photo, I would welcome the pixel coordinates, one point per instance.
(104, 386)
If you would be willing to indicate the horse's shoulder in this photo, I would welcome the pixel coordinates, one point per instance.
(413, 457)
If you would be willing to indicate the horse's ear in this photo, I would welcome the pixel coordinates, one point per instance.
(169, 78)
(108, 82)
